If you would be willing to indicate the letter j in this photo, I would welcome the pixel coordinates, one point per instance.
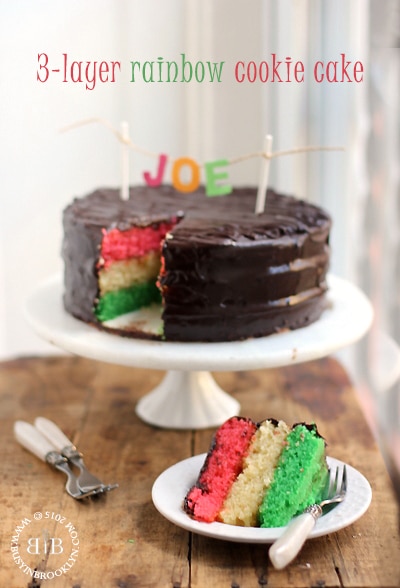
(153, 182)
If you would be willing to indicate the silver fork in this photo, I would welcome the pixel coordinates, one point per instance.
(285, 549)
(87, 482)
(30, 438)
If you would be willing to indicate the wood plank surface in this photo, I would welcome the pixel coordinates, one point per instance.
(122, 540)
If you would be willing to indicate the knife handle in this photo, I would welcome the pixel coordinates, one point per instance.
(53, 433)
(30, 438)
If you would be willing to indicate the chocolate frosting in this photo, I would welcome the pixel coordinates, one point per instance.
(229, 273)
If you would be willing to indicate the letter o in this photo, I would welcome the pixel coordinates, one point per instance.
(252, 65)
(199, 77)
(263, 66)
(194, 183)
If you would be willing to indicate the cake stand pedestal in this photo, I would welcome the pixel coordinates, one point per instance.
(188, 400)
(188, 397)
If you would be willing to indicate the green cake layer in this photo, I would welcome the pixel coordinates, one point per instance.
(115, 303)
(299, 480)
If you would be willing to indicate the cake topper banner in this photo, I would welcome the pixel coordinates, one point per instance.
(216, 177)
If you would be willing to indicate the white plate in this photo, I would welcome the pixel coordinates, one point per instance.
(347, 319)
(170, 488)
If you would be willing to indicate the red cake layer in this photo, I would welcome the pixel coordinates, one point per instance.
(223, 464)
(117, 245)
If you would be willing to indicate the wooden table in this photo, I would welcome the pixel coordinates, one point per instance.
(120, 539)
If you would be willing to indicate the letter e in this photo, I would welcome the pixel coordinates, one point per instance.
(212, 176)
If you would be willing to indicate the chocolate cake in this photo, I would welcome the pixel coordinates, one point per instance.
(220, 271)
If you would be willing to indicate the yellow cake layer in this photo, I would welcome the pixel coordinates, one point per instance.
(242, 503)
(129, 272)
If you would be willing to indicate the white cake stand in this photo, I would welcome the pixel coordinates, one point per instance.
(188, 396)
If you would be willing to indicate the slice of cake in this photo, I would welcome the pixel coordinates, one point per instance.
(260, 479)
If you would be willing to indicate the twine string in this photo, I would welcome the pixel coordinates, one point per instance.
(232, 161)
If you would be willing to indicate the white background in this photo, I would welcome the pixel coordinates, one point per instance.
(43, 169)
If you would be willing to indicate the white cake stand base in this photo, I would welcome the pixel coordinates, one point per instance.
(187, 400)
(189, 397)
